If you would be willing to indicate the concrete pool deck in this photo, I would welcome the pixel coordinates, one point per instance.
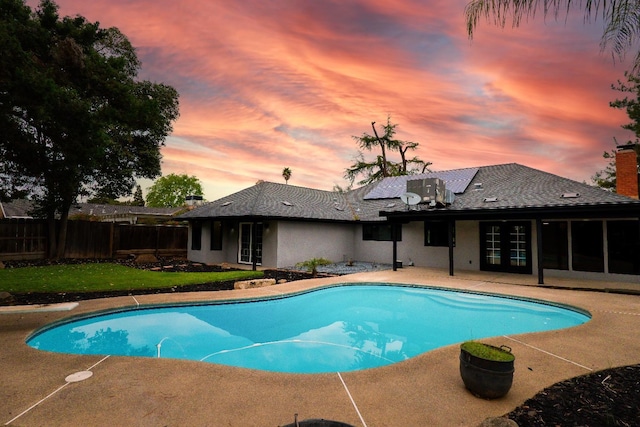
(423, 391)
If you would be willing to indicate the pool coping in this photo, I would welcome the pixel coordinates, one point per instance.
(425, 390)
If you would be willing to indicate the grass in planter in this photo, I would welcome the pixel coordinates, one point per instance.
(105, 277)
(485, 351)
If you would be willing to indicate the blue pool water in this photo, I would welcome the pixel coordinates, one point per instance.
(336, 329)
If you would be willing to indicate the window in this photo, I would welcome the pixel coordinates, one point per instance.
(216, 235)
(555, 245)
(586, 246)
(436, 233)
(493, 242)
(196, 236)
(623, 249)
(518, 240)
(381, 232)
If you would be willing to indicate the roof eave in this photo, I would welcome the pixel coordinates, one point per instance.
(630, 210)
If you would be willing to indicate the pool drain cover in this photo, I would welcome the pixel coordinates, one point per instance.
(78, 376)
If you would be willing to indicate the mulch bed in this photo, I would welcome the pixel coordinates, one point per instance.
(606, 398)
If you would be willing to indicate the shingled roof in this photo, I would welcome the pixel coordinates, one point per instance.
(17, 208)
(496, 188)
(272, 200)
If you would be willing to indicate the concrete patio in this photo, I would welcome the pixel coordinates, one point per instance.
(422, 391)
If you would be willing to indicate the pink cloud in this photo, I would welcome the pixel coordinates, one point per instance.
(268, 85)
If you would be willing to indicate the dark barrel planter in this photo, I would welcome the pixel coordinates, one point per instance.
(489, 379)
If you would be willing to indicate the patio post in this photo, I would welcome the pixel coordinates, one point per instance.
(450, 226)
(394, 238)
(539, 251)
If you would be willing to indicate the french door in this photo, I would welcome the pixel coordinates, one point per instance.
(505, 246)
(247, 249)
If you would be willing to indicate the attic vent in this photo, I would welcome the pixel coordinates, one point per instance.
(339, 208)
(570, 195)
(490, 199)
(284, 202)
(477, 186)
(226, 204)
(390, 205)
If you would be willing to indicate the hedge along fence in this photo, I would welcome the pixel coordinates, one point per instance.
(24, 239)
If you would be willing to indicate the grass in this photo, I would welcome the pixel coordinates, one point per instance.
(485, 351)
(105, 277)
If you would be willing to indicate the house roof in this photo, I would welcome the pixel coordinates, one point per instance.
(104, 210)
(272, 200)
(16, 209)
(485, 190)
(21, 208)
(520, 190)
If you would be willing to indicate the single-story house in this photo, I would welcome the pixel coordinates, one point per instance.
(22, 208)
(505, 218)
(124, 213)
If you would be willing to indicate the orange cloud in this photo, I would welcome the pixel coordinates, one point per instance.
(268, 85)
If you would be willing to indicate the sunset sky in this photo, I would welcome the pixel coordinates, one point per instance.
(286, 83)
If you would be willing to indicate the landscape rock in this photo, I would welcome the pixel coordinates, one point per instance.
(145, 259)
(6, 298)
(255, 283)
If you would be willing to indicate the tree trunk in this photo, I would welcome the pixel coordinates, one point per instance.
(62, 235)
(52, 233)
(385, 172)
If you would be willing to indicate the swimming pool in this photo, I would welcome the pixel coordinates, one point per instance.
(335, 329)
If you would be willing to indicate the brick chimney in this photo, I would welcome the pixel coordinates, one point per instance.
(627, 171)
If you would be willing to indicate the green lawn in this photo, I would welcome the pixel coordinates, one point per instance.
(104, 277)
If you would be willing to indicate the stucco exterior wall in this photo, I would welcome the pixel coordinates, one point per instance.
(301, 241)
(205, 255)
(369, 250)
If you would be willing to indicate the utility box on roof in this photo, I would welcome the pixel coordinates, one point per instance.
(430, 190)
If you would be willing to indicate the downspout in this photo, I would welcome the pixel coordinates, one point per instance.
(539, 251)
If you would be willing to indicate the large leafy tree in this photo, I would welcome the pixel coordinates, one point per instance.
(382, 166)
(74, 117)
(172, 190)
(621, 18)
(606, 178)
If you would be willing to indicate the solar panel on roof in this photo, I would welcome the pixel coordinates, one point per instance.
(393, 187)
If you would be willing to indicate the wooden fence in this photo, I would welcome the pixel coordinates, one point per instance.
(24, 239)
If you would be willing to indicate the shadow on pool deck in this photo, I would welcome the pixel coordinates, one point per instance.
(424, 390)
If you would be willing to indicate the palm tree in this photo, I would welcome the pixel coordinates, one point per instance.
(622, 18)
(286, 174)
